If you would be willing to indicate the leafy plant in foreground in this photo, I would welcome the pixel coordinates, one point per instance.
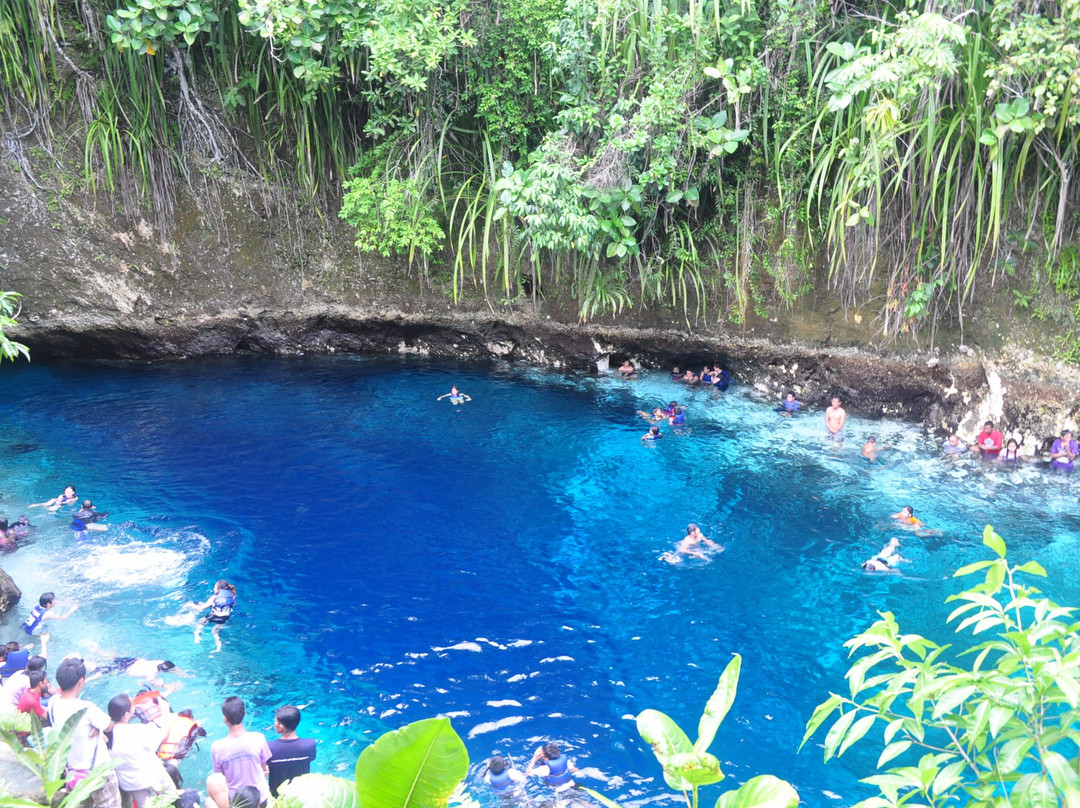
(1002, 731)
(9, 312)
(46, 759)
(688, 766)
(417, 766)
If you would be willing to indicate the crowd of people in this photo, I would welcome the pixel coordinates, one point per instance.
(141, 734)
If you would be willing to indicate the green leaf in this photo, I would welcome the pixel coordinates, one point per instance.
(417, 766)
(713, 73)
(661, 733)
(1032, 567)
(763, 791)
(321, 791)
(967, 569)
(718, 705)
(836, 733)
(994, 541)
(858, 729)
(600, 798)
(891, 751)
(821, 714)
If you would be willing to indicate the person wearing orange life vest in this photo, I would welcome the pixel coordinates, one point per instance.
(139, 771)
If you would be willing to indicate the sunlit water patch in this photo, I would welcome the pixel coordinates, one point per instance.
(498, 562)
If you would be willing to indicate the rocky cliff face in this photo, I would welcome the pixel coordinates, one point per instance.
(240, 271)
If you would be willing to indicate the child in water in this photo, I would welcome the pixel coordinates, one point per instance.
(220, 604)
(455, 396)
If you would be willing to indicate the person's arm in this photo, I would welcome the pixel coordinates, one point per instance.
(50, 615)
(466, 397)
(444, 395)
(538, 755)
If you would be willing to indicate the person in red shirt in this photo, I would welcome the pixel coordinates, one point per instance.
(989, 441)
(30, 701)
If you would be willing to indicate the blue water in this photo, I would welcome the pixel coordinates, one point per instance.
(398, 558)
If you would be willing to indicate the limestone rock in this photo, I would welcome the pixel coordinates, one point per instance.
(9, 593)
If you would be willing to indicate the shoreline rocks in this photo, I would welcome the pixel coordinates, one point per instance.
(945, 394)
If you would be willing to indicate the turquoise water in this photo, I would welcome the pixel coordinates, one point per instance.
(497, 562)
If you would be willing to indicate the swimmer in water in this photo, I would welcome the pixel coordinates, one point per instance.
(86, 518)
(455, 396)
(791, 404)
(887, 559)
(654, 434)
(657, 414)
(693, 545)
(678, 417)
(907, 518)
(66, 498)
(627, 369)
(871, 448)
(221, 604)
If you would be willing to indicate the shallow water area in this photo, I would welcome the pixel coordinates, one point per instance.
(399, 557)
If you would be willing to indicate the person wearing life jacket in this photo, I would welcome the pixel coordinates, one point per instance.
(220, 604)
(139, 771)
(504, 779)
(45, 611)
(180, 735)
(555, 768)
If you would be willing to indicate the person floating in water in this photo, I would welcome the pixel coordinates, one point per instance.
(871, 448)
(1011, 453)
(887, 559)
(220, 604)
(87, 518)
(627, 369)
(907, 518)
(678, 417)
(791, 404)
(455, 396)
(66, 498)
(693, 545)
(835, 418)
(507, 782)
(654, 434)
(554, 768)
(656, 415)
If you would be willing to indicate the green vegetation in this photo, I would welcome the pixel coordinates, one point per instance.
(688, 766)
(9, 314)
(46, 758)
(699, 155)
(1000, 730)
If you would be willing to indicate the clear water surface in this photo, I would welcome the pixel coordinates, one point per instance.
(497, 562)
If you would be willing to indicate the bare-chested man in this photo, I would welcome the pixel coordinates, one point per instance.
(835, 418)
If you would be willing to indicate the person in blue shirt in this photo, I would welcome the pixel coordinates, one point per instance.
(791, 404)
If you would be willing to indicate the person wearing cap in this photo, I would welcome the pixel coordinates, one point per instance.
(88, 748)
(989, 442)
(1064, 451)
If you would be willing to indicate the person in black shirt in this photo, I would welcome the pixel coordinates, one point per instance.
(290, 756)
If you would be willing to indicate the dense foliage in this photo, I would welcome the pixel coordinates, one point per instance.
(996, 724)
(700, 154)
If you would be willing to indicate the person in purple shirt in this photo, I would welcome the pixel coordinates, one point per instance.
(239, 758)
(290, 756)
(1064, 451)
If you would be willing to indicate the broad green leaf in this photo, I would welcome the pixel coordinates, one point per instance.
(661, 733)
(763, 791)
(994, 541)
(967, 569)
(1032, 567)
(321, 791)
(417, 766)
(836, 733)
(718, 705)
(694, 768)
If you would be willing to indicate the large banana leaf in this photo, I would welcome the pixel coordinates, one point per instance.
(718, 705)
(417, 766)
(693, 769)
(321, 791)
(763, 791)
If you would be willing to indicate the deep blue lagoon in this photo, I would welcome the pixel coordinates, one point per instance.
(398, 558)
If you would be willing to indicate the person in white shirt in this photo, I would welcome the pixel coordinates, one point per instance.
(139, 770)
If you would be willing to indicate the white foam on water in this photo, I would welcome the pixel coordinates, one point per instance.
(461, 646)
(491, 726)
(504, 703)
(124, 565)
(556, 659)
